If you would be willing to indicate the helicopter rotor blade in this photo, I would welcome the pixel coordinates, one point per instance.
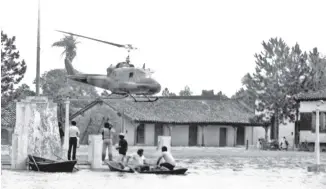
(106, 42)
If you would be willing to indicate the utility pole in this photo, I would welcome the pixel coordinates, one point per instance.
(38, 53)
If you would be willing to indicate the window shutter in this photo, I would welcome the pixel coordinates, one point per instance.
(322, 122)
(313, 122)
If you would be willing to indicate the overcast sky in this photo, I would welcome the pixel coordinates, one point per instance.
(202, 44)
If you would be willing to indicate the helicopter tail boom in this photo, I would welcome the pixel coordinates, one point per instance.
(69, 68)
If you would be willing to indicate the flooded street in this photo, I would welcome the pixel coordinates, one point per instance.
(208, 168)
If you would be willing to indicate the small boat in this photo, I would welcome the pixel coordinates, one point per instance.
(46, 165)
(116, 167)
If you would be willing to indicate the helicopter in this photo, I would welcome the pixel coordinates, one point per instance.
(124, 79)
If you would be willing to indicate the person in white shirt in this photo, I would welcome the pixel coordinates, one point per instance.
(138, 161)
(73, 134)
(169, 161)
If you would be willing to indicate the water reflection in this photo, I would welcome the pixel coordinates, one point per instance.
(217, 172)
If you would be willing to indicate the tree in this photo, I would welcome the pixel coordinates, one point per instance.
(185, 92)
(245, 96)
(166, 92)
(69, 43)
(20, 93)
(317, 65)
(54, 84)
(207, 93)
(12, 68)
(280, 74)
(210, 93)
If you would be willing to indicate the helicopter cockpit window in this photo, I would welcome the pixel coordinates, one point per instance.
(131, 74)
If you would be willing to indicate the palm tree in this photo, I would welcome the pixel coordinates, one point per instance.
(69, 43)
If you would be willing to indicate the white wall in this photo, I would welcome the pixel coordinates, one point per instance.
(287, 131)
(149, 134)
(310, 106)
(307, 107)
(180, 135)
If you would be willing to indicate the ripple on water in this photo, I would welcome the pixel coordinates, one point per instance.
(221, 172)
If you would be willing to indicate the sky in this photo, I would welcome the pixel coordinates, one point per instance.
(203, 44)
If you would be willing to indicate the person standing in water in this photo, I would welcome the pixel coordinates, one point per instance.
(123, 147)
(107, 136)
(73, 134)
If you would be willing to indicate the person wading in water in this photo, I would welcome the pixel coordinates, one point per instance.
(107, 136)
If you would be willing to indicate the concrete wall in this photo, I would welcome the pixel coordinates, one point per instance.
(180, 135)
(149, 134)
(212, 135)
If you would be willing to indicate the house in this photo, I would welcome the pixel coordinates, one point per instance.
(306, 123)
(190, 121)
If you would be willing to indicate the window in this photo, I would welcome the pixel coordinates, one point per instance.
(131, 74)
(322, 122)
(305, 121)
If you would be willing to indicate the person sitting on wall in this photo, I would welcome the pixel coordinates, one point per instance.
(169, 161)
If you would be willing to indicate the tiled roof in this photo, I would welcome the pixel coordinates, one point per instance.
(184, 110)
(312, 95)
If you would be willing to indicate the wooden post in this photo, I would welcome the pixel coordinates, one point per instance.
(66, 136)
(247, 144)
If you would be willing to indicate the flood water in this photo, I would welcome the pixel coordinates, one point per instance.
(222, 171)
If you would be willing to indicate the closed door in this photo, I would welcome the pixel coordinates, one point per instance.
(141, 134)
(223, 133)
(158, 132)
(240, 136)
(193, 135)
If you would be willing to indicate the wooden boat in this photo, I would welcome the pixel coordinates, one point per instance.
(116, 167)
(46, 165)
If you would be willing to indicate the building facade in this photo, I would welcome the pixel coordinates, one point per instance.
(306, 123)
(190, 121)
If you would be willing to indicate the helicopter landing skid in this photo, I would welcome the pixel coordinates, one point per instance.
(148, 99)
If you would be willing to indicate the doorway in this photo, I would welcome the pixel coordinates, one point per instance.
(140, 138)
(223, 132)
(158, 131)
(241, 136)
(193, 129)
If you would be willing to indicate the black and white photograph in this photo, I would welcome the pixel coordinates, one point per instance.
(174, 94)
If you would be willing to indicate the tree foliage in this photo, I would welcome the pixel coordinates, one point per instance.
(12, 68)
(69, 43)
(186, 91)
(317, 64)
(18, 94)
(245, 96)
(54, 84)
(281, 72)
(166, 92)
(210, 93)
